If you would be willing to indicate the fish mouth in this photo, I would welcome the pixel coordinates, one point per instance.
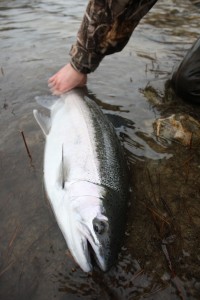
(95, 258)
(94, 254)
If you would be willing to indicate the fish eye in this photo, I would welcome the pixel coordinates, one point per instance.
(99, 226)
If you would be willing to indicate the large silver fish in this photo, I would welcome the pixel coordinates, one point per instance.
(85, 177)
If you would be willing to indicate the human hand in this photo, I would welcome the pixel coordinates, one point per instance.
(66, 79)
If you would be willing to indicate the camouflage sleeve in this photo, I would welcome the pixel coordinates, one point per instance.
(106, 28)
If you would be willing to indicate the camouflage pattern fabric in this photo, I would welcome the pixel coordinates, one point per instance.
(106, 28)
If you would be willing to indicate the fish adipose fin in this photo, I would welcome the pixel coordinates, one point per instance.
(46, 101)
(43, 121)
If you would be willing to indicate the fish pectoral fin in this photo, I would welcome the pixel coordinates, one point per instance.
(63, 170)
(43, 121)
(46, 101)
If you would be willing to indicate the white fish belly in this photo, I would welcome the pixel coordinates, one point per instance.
(70, 145)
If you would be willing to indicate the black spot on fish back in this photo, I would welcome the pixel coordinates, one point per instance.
(113, 166)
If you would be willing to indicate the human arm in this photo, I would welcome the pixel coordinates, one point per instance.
(106, 28)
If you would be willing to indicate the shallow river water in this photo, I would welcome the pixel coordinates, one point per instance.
(160, 257)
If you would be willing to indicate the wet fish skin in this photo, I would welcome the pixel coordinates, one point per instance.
(114, 178)
(85, 175)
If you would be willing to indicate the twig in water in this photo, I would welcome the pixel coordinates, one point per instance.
(137, 274)
(10, 244)
(167, 208)
(6, 268)
(27, 149)
(2, 71)
(158, 215)
(151, 184)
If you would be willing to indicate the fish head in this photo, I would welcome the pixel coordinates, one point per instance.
(95, 230)
(88, 240)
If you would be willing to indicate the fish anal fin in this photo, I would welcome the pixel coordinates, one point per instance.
(43, 121)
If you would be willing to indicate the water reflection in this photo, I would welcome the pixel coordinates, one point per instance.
(160, 257)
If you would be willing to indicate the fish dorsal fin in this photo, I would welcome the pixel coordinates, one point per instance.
(43, 121)
(46, 101)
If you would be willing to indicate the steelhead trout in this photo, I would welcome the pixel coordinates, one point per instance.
(85, 176)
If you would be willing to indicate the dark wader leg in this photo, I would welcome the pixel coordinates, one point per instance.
(186, 80)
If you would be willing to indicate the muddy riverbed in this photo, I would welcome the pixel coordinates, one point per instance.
(160, 257)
